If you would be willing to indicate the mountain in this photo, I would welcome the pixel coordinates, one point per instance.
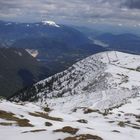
(89, 31)
(57, 55)
(103, 77)
(18, 70)
(97, 98)
(58, 46)
(11, 32)
(113, 38)
(122, 42)
(50, 23)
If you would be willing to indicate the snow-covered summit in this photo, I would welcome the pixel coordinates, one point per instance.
(50, 23)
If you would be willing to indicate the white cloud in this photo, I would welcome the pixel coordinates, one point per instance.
(71, 11)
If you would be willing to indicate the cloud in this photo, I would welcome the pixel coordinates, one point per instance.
(133, 4)
(72, 11)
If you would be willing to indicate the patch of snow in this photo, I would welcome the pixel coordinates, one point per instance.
(28, 25)
(19, 53)
(33, 52)
(7, 24)
(101, 43)
(50, 23)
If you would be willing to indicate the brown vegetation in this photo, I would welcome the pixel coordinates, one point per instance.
(67, 129)
(34, 131)
(45, 116)
(121, 124)
(6, 124)
(84, 137)
(11, 117)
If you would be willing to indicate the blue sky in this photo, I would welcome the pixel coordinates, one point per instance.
(120, 12)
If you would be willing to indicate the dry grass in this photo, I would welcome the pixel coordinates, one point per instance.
(84, 137)
(24, 123)
(138, 121)
(7, 115)
(133, 125)
(11, 117)
(121, 124)
(45, 116)
(35, 131)
(88, 110)
(6, 124)
(67, 129)
(129, 124)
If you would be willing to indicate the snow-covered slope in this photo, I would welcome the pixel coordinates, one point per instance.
(104, 80)
(97, 98)
(122, 123)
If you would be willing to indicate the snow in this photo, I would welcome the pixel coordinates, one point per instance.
(100, 43)
(19, 53)
(98, 124)
(7, 24)
(50, 23)
(28, 25)
(102, 81)
(107, 83)
(33, 52)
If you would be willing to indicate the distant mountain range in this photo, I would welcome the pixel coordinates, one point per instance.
(58, 46)
(123, 42)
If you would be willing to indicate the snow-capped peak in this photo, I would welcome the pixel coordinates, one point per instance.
(50, 23)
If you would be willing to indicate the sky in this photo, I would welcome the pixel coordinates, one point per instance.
(120, 12)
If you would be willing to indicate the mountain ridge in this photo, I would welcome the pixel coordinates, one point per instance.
(104, 77)
(107, 107)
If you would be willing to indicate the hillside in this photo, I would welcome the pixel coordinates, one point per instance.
(108, 74)
(18, 69)
(31, 121)
(97, 98)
